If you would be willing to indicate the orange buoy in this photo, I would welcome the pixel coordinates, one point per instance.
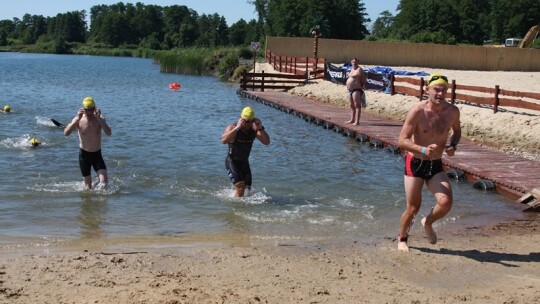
(174, 86)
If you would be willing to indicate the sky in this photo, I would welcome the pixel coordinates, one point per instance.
(232, 10)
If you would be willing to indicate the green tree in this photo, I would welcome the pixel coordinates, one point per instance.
(237, 33)
(147, 22)
(381, 26)
(213, 31)
(181, 28)
(69, 26)
(342, 19)
(513, 18)
(7, 27)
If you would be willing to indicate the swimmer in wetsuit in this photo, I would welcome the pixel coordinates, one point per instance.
(90, 122)
(357, 97)
(424, 135)
(240, 137)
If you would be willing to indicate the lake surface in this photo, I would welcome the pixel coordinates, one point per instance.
(166, 165)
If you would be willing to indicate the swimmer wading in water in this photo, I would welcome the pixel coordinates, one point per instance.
(90, 122)
(240, 137)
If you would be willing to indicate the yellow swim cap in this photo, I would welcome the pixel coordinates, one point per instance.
(34, 142)
(88, 102)
(7, 108)
(437, 78)
(247, 113)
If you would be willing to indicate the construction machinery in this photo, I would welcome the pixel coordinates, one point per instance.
(531, 35)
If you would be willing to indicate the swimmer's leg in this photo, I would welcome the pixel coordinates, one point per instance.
(357, 108)
(353, 115)
(103, 178)
(88, 181)
(430, 233)
(440, 186)
(240, 188)
(413, 192)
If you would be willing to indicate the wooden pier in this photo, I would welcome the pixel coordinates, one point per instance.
(511, 175)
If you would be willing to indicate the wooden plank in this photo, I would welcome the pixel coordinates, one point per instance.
(273, 75)
(518, 103)
(406, 90)
(520, 94)
(411, 80)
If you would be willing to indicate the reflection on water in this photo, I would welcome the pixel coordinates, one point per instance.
(166, 163)
(91, 217)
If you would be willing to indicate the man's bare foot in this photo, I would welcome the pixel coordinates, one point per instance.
(402, 246)
(349, 121)
(356, 123)
(430, 233)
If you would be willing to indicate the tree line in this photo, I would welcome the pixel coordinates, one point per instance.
(458, 21)
(177, 26)
(164, 28)
(130, 25)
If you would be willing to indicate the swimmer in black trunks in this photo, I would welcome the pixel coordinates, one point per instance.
(356, 82)
(89, 122)
(240, 137)
(424, 135)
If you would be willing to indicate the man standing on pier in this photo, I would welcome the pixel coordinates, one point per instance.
(240, 137)
(356, 83)
(424, 135)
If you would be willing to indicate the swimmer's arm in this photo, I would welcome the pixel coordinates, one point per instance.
(455, 138)
(106, 129)
(73, 125)
(262, 136)
(229, 135)
(363, 78)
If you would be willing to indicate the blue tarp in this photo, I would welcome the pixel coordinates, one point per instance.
(389, 71)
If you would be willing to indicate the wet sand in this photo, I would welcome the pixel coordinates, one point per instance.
(498, 264)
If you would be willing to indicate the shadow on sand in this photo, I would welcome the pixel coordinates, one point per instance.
(487, 256)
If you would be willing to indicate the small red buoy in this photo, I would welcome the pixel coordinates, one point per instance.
(174, 86)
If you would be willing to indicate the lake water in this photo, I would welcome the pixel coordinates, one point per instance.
(166, 165)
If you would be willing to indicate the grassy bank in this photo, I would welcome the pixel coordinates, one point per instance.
(222, 62)
(226, 63)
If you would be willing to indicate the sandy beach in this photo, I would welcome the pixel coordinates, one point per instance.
(494, 264)
(499, 264)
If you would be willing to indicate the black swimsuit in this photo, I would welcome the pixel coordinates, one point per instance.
(90, 159)
(424, 169)
(237, 160)
(355, 90)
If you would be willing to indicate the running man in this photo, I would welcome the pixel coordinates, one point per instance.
(424, 135)
(89, 122)
(357, 97)
(240, 137)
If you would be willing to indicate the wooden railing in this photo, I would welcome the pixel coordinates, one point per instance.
(498, 97)
(311, 68)
(270, 81)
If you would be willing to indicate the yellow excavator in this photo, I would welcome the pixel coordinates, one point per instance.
(531, 35)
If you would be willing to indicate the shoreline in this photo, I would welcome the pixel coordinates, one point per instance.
(494, 264)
